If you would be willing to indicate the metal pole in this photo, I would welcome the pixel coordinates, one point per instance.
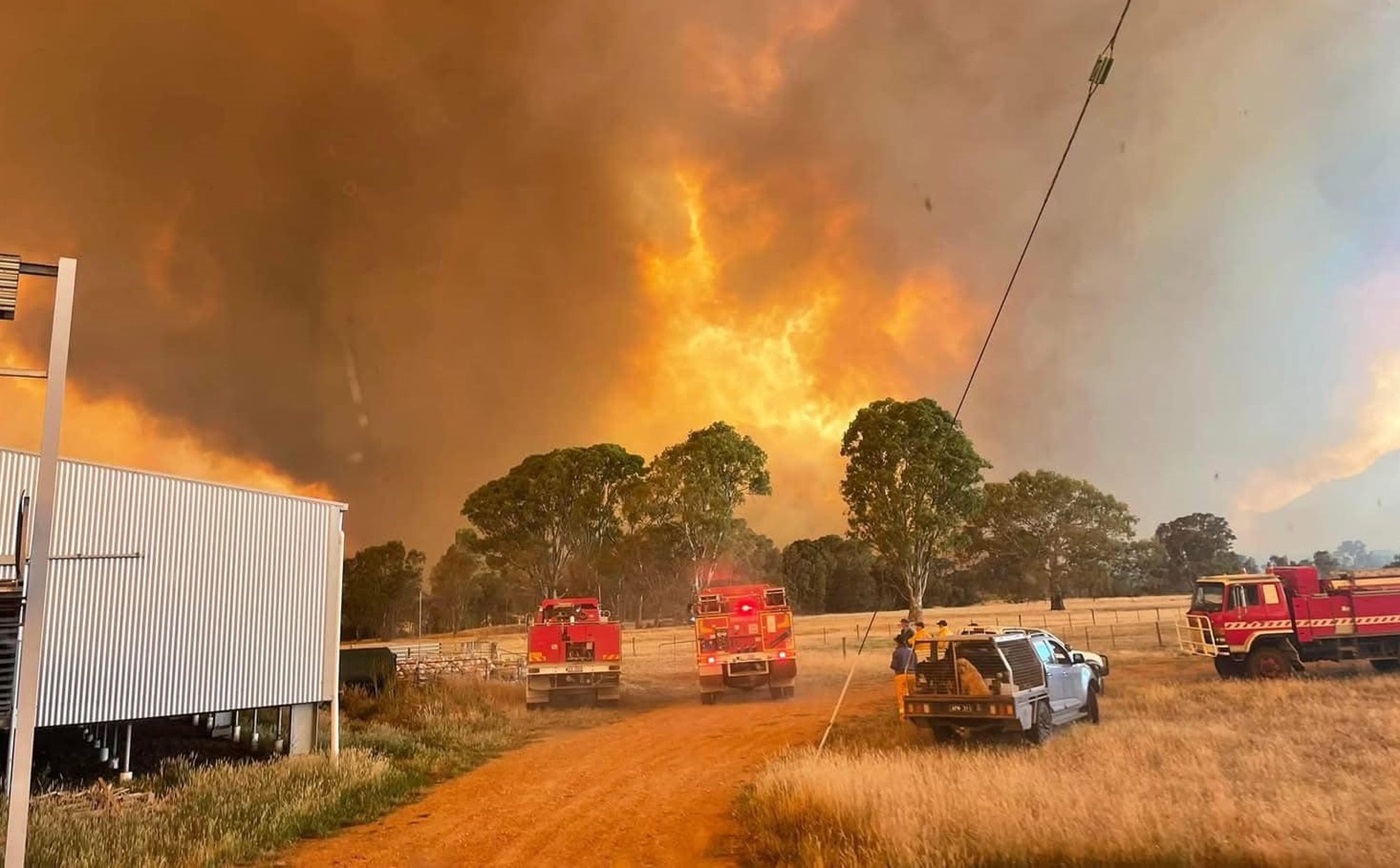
(126, 756)
(37, 586)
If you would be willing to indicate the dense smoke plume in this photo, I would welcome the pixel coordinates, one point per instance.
(506, 227)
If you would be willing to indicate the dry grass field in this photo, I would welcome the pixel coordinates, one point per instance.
(1184, 770)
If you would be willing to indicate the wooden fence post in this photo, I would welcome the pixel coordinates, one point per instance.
(1159, 635)
(1087, 646)
(843, 647)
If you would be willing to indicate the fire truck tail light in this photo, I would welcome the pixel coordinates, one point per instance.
(782, 655)
(745, 608)
(710, 659)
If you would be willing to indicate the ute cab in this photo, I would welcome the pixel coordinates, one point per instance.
(575, 649)
(744, 640)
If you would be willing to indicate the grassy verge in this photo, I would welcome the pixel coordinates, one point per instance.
(225, 813)
(1194, 772)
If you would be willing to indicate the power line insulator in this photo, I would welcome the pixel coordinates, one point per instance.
(1101, 68)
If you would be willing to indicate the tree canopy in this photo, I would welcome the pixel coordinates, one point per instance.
(1199, 544)
(554, 512)
(1061, 534)
(697, 485)
(381, 586)
(912, 481)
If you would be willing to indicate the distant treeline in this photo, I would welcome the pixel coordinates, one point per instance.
(925, 529)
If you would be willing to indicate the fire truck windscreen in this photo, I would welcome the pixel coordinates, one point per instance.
(1209, 597)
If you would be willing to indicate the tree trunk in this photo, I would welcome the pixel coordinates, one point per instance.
(1057, 601)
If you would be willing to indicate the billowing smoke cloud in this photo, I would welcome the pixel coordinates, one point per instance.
(502, 209)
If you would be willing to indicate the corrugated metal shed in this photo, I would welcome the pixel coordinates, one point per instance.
(169, 596)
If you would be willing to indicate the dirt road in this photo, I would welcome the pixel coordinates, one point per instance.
(654, 789)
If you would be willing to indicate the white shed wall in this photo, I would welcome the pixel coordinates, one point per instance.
(232, 600)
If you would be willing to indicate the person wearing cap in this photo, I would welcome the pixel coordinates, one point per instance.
(905, 631)
(902, 663)
(942, 632)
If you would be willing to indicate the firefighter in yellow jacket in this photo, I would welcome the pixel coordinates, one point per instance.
(943, 632)
(922, 642)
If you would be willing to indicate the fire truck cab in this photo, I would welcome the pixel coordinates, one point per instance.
(744, 640)
(575, 649)
(1268, 626)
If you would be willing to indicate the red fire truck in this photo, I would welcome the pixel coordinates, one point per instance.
(1268, 626)
(575, 649)
(743, 640)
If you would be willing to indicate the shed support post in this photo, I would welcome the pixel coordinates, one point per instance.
(253, 735)
(301, 729)
(126, 756)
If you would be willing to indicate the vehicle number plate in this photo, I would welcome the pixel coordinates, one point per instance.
(573, 667)
(957, 707)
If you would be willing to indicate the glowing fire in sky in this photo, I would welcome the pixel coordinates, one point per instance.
(119, 432)
(786, 352)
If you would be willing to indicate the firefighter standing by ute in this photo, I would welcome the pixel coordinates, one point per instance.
(922, 642)
(943, 633)
(903, 665)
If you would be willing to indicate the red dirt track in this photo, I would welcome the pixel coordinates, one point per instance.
(654, 789)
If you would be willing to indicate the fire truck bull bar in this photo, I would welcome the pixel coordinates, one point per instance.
(1195, 635)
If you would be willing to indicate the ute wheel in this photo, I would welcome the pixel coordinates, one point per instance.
(1268, 662)
(1385, 665)
(1043, 724)
(1227, 668)
(708, 698)
(1091, 708)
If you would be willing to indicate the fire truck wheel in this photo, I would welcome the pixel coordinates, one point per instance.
(1385, 665)
(1043, 725)
(780, 692)
(1268, 662)
(1226, 667)
(943, 733)
(708, 698)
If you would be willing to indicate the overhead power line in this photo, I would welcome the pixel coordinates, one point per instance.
(1097, 77)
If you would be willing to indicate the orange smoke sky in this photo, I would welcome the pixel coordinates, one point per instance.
(1376, 435)
(122, 433)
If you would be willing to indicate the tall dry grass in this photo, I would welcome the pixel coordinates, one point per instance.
(1180, 772)
(226, 813)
